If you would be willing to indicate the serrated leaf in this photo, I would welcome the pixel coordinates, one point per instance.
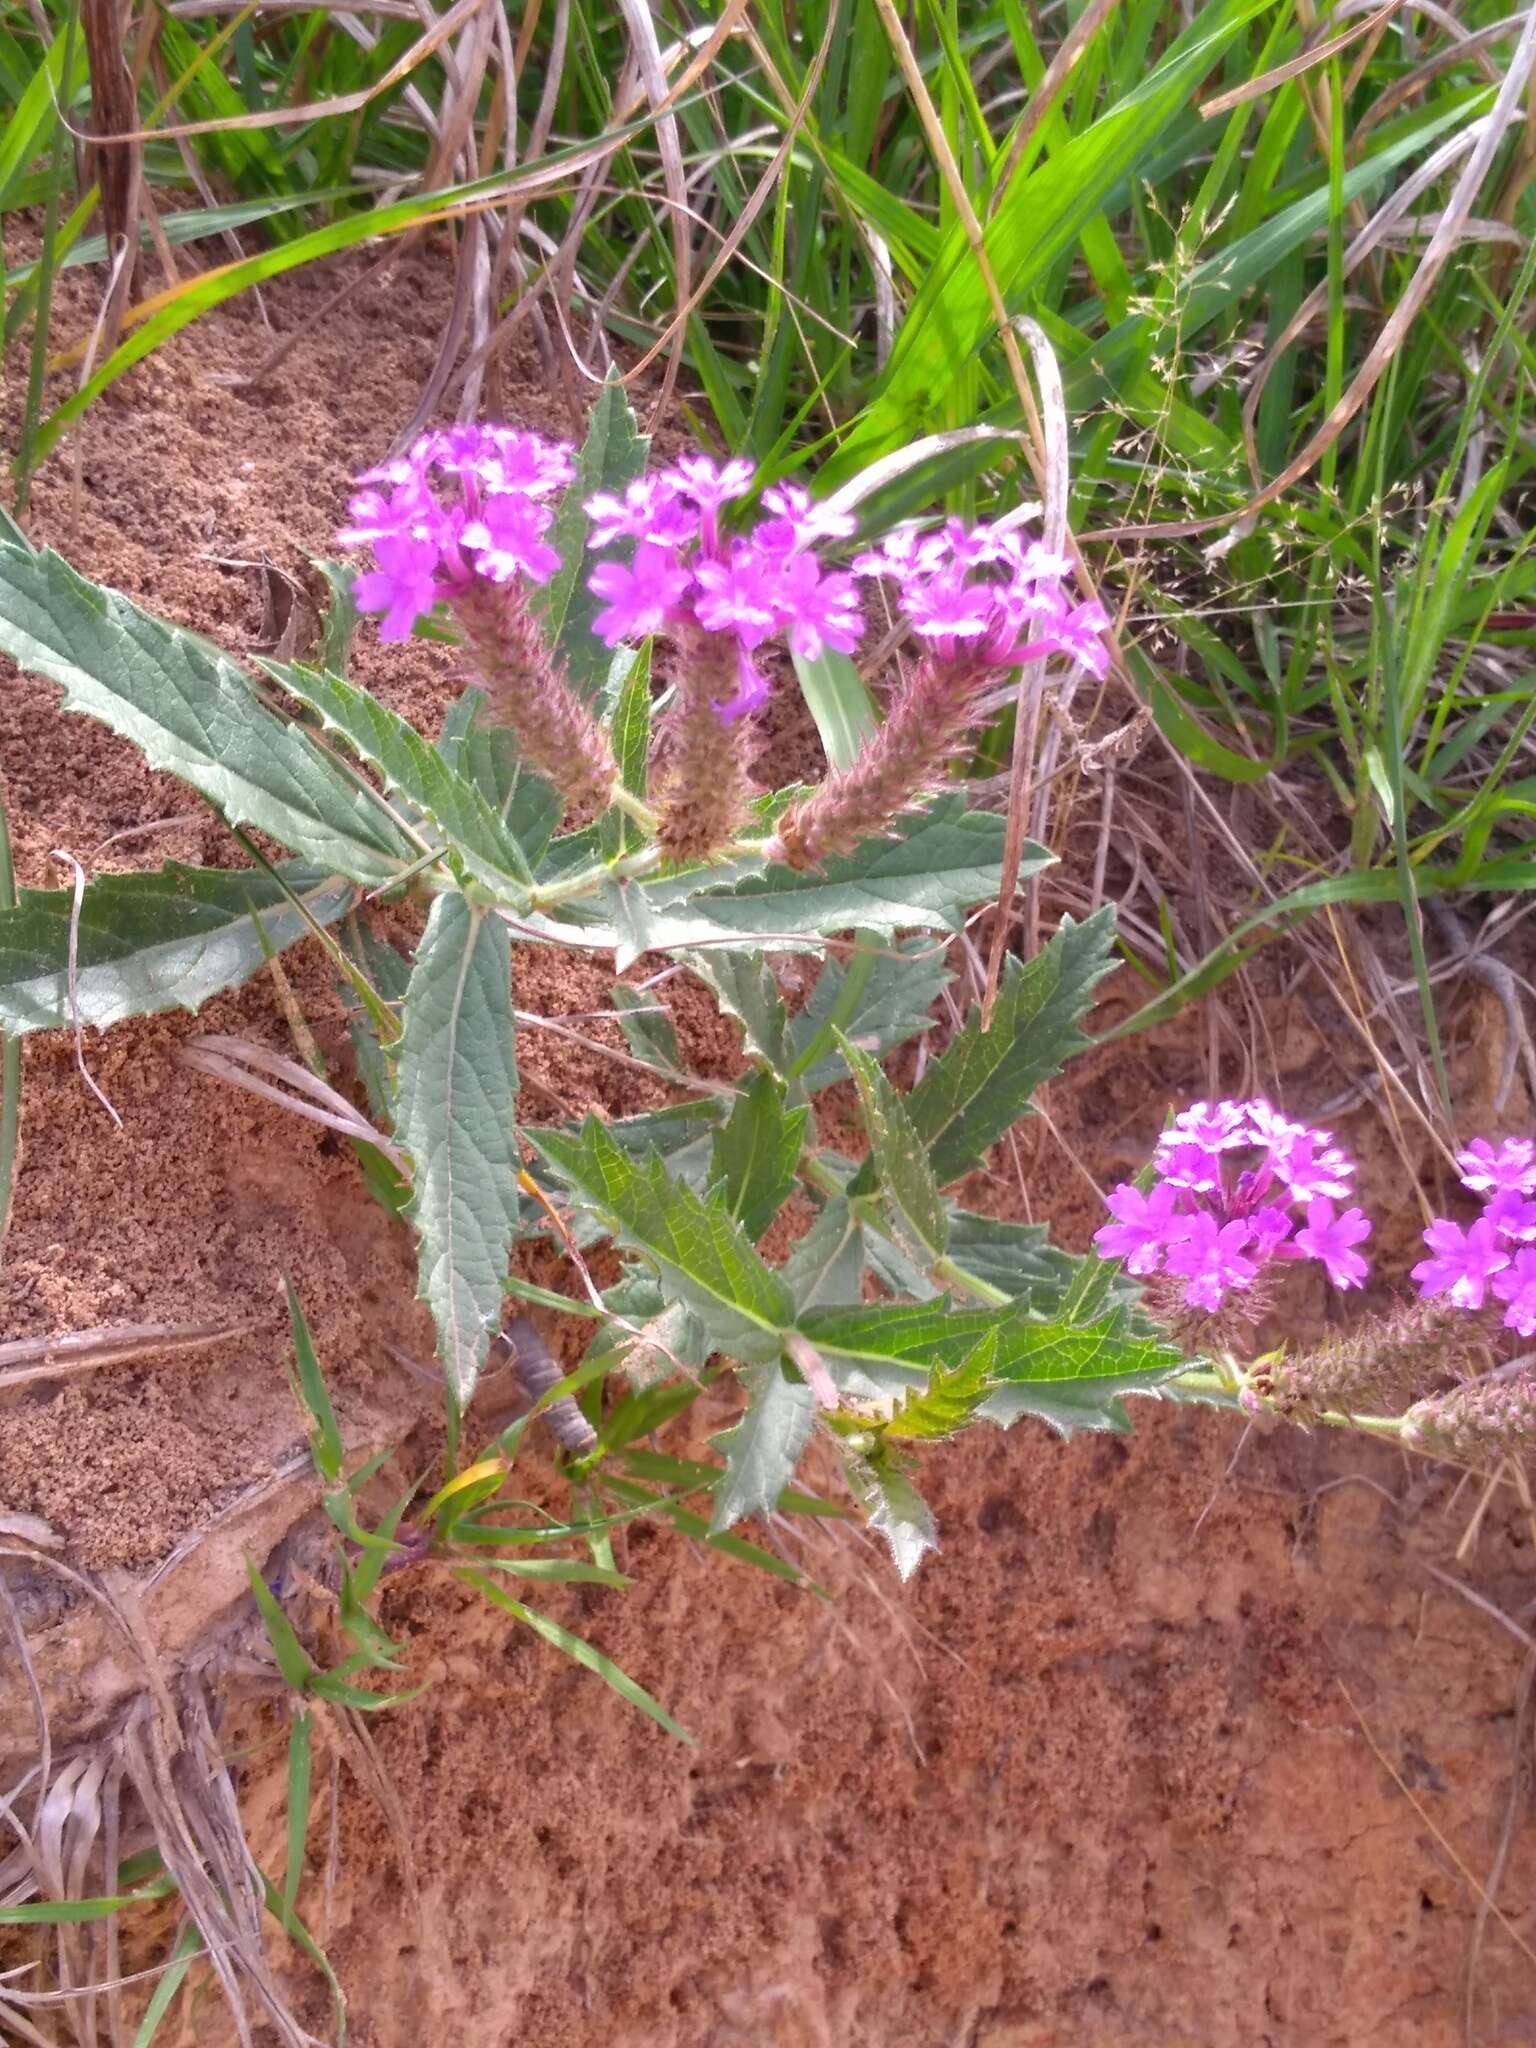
(148, 943)
(878, 997)
(907, 1184)
(1072, 1376)
(613, 454)
(414, 769)
(1068, 1374)
(629, 733)
(983, 1080)
(745, 989)
(696, 1244)
(756, 1152)
(951, 1397)
(647, 1029)
(896, 1511)
(1018, 1257)
(488, 756)
(193, 713)
(457, 1091)
(825, 1268)
(762, 1451)
(932, 868)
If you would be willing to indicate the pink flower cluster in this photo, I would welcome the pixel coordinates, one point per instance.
(1498, 1251)
(462, 502)
(1219, 1211)
(989, 594)
(686, 571)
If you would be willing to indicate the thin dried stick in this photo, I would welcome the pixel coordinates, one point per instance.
(72, 984)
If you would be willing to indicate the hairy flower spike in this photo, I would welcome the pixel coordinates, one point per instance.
(529, 692)
(705, 785)
(927, 727)
(1486, 1419)
(1219, 1211)
(1371, 1367)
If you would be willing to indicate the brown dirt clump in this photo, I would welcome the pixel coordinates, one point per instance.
(1117, 1769)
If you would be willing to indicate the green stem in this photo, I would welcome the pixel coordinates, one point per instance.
(1217, 1383)
(635, 807)
(10, 1057)
(633, 867)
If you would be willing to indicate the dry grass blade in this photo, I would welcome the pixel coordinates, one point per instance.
(43, 1358)
(234, 1059)
(1026, 727)
(1506, 110)
(1298, 66)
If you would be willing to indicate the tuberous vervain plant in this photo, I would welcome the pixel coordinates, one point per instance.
(570, 802)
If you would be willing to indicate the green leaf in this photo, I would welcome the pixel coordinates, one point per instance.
(312, 1394)
(932, 868)
(697, 1246)
(613, 455)
(647, 1029)
(838, 699)
(629, 732)
(1072, 1376)
(825, 1268)
(457, 1095)
(193, 714)
(746, 990)
(294, 1662)
(412, 768)
(147, 943)
(763, 1449)
(901, 1164)
(896, 1511)
(1018, 1257)
(878, 998)
(489, 757)
(583, 1653)
(1069, 1374)
(983, 1080)
(951, 1398)
(756, 1152)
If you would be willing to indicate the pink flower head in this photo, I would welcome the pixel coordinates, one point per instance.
(708, 483)
(1311, 1167)
(1464, 1261)
(462, 502)
(1331, 1239)
(819, 608)
(1209, 1259)
(1512, 1215)
(640, 599)
(1509, 1166)
(1271, 1228)
(507, 540)
(799, 521)
(1516, 1287)
(1184, 1165)
(1144, 1225)
(403, 587)
(1215, 1126)
(739, 595)
(652, 508)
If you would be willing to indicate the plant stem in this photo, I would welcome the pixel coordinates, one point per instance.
(1216, 1383)
(635, 807)
(10, 1057)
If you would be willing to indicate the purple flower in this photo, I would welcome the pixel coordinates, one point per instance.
(1310, 1167)
(1509, 1166)
(1144, 1225)
(1512, 1215)
(738, 595)
(1464, 1261)
(1209, 1259)
(1189, 1166)
(403, 587)
(800, 521)
(820, 610)
(512, 460)
(1271, 1227)
(1217, 1126)
(1330, 1238)
(507, 540)
(652, 508)
(711, 484)
(640, 599)
(1516, 1286)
